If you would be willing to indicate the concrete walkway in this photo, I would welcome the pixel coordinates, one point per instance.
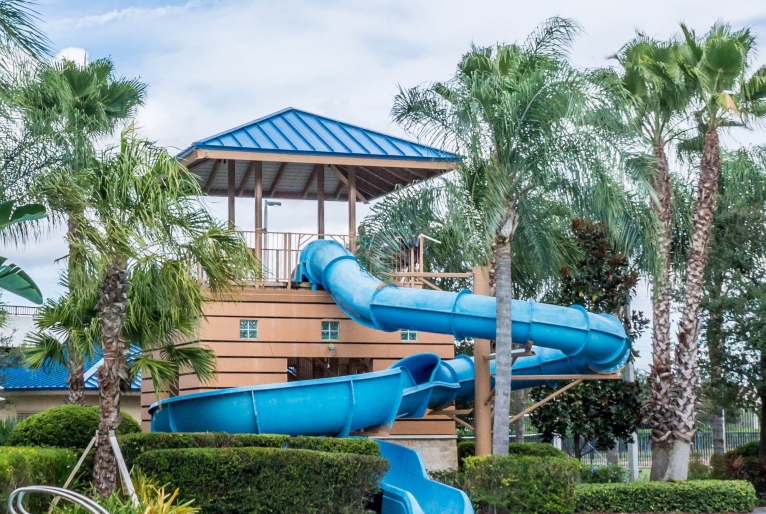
(760, 510)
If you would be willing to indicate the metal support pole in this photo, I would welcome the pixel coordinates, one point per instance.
(630, 376)
(483, 387)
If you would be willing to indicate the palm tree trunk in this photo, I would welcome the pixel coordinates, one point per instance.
(684, 406)
(660, 375)
(75, 365)
(112, 302)
(503, 342)
(75, 378)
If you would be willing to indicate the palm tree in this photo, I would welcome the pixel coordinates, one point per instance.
(140, 216)
(717, 65)
(535, 128)
(18, 27)
(657, 96)
(162, 311)
(75, 106)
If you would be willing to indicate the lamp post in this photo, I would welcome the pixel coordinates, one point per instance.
(266, 213)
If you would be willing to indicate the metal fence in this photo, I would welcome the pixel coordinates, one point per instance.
(743, 430)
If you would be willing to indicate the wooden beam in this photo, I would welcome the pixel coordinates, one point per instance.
(231, 163)
(258, 195)
(371, 181)
(402, 173)
(377, 176)
(244, 155)
(417, 173)
(344, 181)
(320, 201)
(311, 178)
(211, 177)
(545, 400)
(250, 168)
(351, 209)
(339, 189)
(277, 178)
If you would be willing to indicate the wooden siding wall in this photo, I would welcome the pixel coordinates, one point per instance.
(289, 325)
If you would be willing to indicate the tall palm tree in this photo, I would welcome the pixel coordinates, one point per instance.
(76, 106)
(725, 95)
(656, 98)
(534, 126)
(140, 215)
(12, 278)
(162, 311)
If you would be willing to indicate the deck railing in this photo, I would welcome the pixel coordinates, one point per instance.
(280, 251)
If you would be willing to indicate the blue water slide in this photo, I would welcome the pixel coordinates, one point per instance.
(566, 341)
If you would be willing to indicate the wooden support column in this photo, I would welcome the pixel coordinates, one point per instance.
(232, 192)
(320, 201)
(258, 193)
(352, 209)
(482, 385)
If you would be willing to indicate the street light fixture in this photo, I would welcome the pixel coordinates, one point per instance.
(266, 213)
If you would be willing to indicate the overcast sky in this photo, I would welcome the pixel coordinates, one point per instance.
(212, 65)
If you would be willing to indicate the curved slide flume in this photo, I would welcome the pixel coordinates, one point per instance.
(567, 341)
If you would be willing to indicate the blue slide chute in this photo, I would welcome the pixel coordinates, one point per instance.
(567, 340)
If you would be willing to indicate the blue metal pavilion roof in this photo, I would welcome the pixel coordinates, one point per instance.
(295, 131)
(55, 379)
(292, 148)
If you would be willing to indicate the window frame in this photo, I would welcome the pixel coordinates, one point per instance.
(329, 331)
(249, 329)
(406, 335)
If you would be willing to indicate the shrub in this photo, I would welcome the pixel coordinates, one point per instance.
(152, 499)
(741, 463)
(468, 449)
(699, 471)
(688, 496)
(33, 466)
(747, 450)
(611, 474)
(249, 480)
(6, 428)
(521, 484)
(67, 426)
(133, 445)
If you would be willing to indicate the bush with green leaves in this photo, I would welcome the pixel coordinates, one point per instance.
(66, 426)
(22, 466)
(133, 445)
(521, 484)
(741, 463)
(698, 471)
(611, 474)
(468, 449)
(7, 426)
(268, 480)
(688, 496)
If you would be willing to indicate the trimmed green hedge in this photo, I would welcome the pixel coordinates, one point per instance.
(467, 449)
(741, 463)
(690, 496)
(521, 484)
(67, 426)
(610, 474)
(267, 480)
(135, 444)
(33, 466)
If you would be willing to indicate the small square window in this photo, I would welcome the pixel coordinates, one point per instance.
(248, 329)
(409, 335)
(330, 330)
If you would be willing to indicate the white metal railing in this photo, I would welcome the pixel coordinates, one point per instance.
(280, 251)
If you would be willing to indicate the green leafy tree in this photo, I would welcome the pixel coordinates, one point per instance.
(596, 411)
(726, 94)
(730, 363)
(532, 129)
(18, 28)
(12, 278)
(139, 215)
(74, 107)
